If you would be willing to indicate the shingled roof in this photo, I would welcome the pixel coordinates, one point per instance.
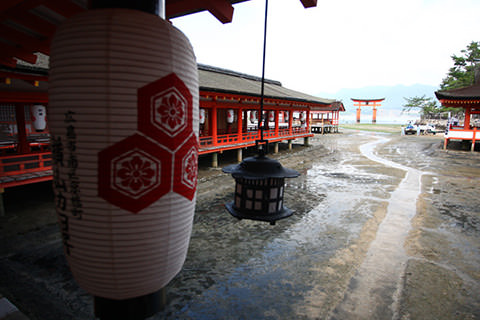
(465, 93)
(228, 81)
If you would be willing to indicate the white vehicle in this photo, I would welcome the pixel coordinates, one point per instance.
(427, 129)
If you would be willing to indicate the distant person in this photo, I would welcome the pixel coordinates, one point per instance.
(454, 121)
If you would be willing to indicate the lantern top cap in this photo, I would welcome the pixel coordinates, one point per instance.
(260, 167)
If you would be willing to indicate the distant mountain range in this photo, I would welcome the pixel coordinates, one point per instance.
(391, 109)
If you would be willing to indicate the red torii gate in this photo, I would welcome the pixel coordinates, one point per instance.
(367, 102)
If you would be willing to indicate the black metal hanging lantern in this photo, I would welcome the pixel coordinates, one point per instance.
(259, 180)
(259, 189)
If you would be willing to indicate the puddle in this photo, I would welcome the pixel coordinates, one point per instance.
(372, 290)
(343, 249)
(251, 270)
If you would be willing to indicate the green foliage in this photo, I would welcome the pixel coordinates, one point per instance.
(462, 73)
(427, 106)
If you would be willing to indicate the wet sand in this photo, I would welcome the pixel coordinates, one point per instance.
(385, 227)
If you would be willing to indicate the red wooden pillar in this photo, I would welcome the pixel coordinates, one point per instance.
(474, 139)
(240, 122)
(214, 124)
(22, 146)
(290, 122)
(308, 120)
(358, 113)
(466, 123)
(276, 123)
(244, 120)
(374, 117)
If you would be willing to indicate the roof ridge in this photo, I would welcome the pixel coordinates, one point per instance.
(236, 74)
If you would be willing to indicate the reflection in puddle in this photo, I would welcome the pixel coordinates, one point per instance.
(373, 289)
(250, 270)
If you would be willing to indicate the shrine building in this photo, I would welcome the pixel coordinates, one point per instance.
(229, 100)
(468, 99)
(229, 112)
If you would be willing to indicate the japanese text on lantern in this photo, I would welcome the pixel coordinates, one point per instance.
(65, 178)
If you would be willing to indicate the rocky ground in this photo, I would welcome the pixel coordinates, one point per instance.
(385, 227)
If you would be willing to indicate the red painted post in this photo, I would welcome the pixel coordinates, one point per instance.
(290, 122)
(22, 146)
(214, 123)
(473, 140)
(276, 123)
(466, 123)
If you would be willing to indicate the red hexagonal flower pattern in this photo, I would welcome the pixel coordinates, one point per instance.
(137, 171)
(186, 168)
(169, 111)
(165, 111)
(134, 173)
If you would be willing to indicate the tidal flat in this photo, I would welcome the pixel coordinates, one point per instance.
(385, 227)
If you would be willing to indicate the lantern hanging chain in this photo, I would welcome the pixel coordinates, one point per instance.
(263, 122)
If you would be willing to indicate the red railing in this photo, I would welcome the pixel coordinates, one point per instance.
(249, 138)
(11, 165)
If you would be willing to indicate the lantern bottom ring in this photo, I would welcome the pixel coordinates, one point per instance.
(251, 215)
(137, 308)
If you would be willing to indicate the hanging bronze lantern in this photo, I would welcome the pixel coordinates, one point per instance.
(259, 180)
(259, 189)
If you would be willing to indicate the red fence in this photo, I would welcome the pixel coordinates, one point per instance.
(245, 139)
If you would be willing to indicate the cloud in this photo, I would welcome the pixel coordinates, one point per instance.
(339, 44)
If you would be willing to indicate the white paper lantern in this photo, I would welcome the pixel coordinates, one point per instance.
(202, 116)
(253, 116)
(230, 116)
(39, 114)
(286, 115)
(124, 122)
(302, 116)
(271, 116)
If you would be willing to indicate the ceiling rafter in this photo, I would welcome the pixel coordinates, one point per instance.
(309, 3)
(221, 9)
(64, 7)
(23, 54)
(24, 40)
(27, 26)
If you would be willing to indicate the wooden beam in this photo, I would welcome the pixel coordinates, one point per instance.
(174, 8)
(22, 76)
(18, 8)
(33, 22)
(65, 8)
(6, 5)
(26, 41)
(221, 9)
(9, 62)
(309, 3)
(9, 51)
(23, 97)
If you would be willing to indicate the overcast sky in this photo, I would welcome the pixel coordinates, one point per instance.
(340, 43)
